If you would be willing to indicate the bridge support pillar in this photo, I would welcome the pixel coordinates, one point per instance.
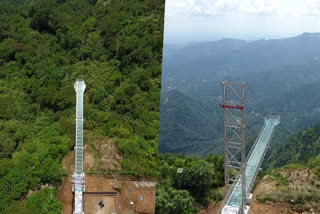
(247, 210)
(249, 199)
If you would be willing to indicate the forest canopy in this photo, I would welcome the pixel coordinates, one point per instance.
(45, 45)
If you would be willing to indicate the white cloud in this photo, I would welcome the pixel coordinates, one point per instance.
(218, 7)
(263, 7)
(257, 7)
(200, 7)
(307, 8)
(312, 7)
(191, 20)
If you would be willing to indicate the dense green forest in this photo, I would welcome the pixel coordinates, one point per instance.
(45, 45)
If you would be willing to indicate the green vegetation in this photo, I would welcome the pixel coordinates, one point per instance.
(45, 45)
(298, 148)
(41, 202)
(314, 164)
(187, 125)
(298, 201)
(172, 201)
(199, 182)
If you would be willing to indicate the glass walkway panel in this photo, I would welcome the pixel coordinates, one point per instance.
(78, 178)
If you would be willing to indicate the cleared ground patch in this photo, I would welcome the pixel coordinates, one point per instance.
(133, 196)
(108, 200)
(292, 189)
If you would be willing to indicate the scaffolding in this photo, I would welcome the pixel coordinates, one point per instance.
(78, 178)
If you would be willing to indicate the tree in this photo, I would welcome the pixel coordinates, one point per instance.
(171, 201)
(41, 11)
(196, 178)
(44, 202)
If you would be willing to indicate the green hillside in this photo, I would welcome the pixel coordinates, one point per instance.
(45, 45)
(187, 125)
(299, 148)
(194, 126)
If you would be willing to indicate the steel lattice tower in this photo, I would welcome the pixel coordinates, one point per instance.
(233, 105)
(78, 178)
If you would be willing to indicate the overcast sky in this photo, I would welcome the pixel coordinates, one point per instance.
(207, 20)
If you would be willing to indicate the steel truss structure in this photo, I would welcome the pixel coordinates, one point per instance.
(233, 105)
(78, 178)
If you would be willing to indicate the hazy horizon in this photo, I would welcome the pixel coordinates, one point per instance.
(188, 21)
(248, 40)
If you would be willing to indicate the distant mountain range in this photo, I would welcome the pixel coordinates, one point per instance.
(283, 78)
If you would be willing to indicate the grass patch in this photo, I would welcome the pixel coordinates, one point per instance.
(95, 150)
(279, 179)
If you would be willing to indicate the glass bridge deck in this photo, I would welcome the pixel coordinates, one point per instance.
(254, 161)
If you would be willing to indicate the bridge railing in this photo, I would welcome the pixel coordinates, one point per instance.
(255, 142)
(265, 150)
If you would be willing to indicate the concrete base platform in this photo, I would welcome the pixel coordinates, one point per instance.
(249, 199)
(234, 210)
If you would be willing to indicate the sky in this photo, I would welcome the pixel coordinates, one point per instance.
(188, 21)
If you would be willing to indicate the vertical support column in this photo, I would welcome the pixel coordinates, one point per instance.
(227, 191)
(243, 148)
(233, 105)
